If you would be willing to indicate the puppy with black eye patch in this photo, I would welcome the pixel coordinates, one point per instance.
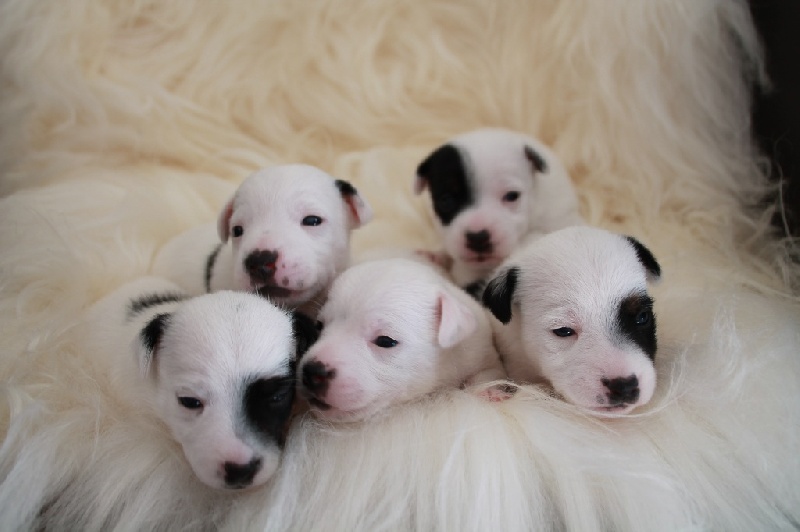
(217, 370)
(284, 234)
(490, 189)
(394, 330)
(573, 311)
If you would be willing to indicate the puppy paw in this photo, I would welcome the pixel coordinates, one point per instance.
(498, 393)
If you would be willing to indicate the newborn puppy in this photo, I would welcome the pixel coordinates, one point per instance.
(217, 369)
(285, 234)
(394, 330)
(490, 188)
(576, 313)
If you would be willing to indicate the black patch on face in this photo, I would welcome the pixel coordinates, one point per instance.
(210, 261)
(306, 333)
(499, 294)
(637, 323)
(448, 180)
(152, 333)
(645, 257)
(345, 188)
(268, 405)
(538, 162)
(147, 301)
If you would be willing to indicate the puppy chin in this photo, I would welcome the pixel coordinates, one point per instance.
(343, 413)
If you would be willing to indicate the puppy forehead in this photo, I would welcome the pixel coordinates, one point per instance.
(496, 152)
(282, 186)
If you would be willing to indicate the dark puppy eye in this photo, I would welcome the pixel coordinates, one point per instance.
(511, 197)
(643, 318)
(190, 403)
(385, 342)
(237, 231)
(312, 220)
(319, 325)
(280, 396)
(564, 332)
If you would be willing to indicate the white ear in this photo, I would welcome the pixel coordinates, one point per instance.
(419, 184)
(456, 321)
(359, 210)
(223, 222)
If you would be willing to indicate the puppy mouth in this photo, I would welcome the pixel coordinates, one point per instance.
(318, 403)
(481, 259)
(274, 292)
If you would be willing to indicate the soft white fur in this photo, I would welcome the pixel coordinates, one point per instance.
(270, 206)
(126, 123)
(443, 339)
(496, 161)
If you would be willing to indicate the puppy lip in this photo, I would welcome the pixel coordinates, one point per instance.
(274, 291)
(322, 405)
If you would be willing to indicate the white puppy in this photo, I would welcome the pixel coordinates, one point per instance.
(217, 369)
(394, 330)
(285, 234)
(490, 188)
(577, 314)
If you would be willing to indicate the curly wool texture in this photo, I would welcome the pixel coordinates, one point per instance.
(127, 122)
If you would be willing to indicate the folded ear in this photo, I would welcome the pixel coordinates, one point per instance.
(147, 342)
(647, 259)
(499, 294)
(224, 220)
(359, 210)
(536, 160)
(456, 321)
(445, 160)
(306, 333)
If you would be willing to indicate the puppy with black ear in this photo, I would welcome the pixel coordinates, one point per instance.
(574, 311)
(490, 189)
(217, 370)
(284, 234)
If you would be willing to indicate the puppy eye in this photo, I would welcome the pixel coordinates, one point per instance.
(312, 220)
(319, 325)
(190, 403)
(511, 196)
(643, 318)
(385, 342)
(237, 231)
(280, 396)
(564, 332)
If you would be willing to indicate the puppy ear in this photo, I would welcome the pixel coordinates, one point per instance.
(499, 294)
(148, 340)
(445, 159)
(360, 211)
(536, 160)
(224, 220)
(456, 321)
(305, 333)
(647, 259)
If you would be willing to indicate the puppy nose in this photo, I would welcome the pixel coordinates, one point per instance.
(316, 377)
(622, 390)
(260, 265)
(241, 475)
(480, 241)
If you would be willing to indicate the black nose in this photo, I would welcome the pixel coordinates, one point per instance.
(622, 390)
(316, 377)
(260, 265)
(479, 242)
(241, 475)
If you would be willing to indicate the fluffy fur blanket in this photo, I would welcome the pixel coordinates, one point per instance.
(125, 122)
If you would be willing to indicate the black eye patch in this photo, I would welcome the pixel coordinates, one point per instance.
(448, 180)
(636, 322)
(268, 406)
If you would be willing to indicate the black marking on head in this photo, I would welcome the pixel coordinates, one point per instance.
(475, 289)
(268, 406)
(151, 335)
(499, 294)
(538, 162)
(306, 333)
(636, 322)
(210, 261)
(144, 302)
(448, 180)
(646, 258)
(345, 188)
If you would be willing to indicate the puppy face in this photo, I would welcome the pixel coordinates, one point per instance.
(223, 369)
(385, 326)
(576, 301)
(289, 228)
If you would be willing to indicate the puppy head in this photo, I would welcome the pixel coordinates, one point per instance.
(586, 322)
(489, 188)
(385, 327)
(222, 366)
(289, 228)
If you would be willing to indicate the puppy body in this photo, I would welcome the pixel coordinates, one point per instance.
(490, 189)
(394, 330)
(285, 234)
(574, 311)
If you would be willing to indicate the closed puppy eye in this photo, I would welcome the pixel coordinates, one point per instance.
(190, 403)
(312, 220)
(237, 231)
(511, 196)
(564, 332)
(385, 342)
(280, 396)
(643, 318)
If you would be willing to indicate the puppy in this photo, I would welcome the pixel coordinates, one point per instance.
(285, 234)
(217, 369)
(394, 330)
(490, 188)
(576, 313)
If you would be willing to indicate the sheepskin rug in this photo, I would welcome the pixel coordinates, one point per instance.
(125, 122)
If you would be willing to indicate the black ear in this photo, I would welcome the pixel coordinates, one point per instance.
(499, 294)
(305, 333)
(345, 188)
(538, 162)
(646, 258)
(444, 160)
(149, 339)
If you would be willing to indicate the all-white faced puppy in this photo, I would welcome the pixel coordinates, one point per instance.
(285, 234)
(217, 369)
(577, 314)
(394, 330)
(490, 188)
